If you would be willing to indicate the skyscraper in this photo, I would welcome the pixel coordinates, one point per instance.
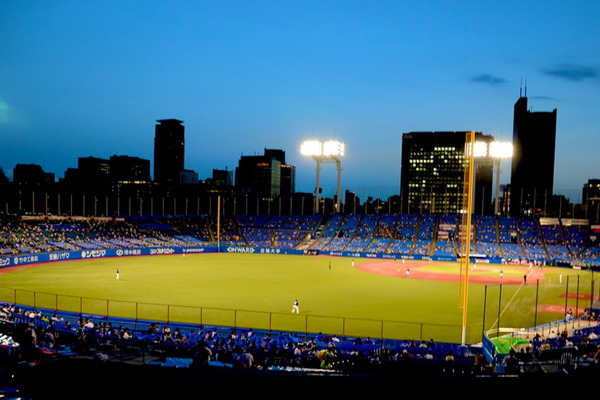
(265, 176)
(169, 151)
(432, 173)
(532, 175)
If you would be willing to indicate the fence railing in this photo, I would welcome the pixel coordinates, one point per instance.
(239, 318)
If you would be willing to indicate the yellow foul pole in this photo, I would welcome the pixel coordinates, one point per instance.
(466, 229)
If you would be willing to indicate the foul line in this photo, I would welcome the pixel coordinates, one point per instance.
(509, 302)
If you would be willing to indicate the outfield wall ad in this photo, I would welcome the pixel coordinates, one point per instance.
(13, 261)
(23, 259)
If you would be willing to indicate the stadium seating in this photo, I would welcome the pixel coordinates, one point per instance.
(364, 233)
(346, 230)
(405, 234)
(515, 240)
(383, 234)
(486, 238)
(530, 237)
(446, 232)
(66, 334)
(425, 234)
(552, 238)
(330, 232)
(508, 238)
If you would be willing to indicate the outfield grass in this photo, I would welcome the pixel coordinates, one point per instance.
(252, 290)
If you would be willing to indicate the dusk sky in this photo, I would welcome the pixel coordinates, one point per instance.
(84, 78)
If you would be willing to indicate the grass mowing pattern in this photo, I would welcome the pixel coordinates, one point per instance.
(339, 300)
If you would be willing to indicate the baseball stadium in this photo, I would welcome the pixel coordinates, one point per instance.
(379, 297)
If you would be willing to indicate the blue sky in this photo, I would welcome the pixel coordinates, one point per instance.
(82, 78)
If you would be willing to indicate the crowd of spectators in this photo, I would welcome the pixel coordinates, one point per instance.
(520, 240)
(41, 337)
(563, 350)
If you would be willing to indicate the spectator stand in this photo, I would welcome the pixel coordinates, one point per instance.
(365, 233)
(405, 235)
(486, 237)
(445, 235)
(383, 235)
(345, 233)
(425, 235)
(330, 231)
(508, 237)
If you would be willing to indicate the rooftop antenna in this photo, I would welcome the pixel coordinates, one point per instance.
(521, 88)
(525, 86)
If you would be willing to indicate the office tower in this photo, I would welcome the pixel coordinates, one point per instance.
(432, 173)
(31, 174)
(102, 176)
(93, 171)
(265, 175)
(532, 175)
(129, 175)
(259, 176)
(590, 199)
(169, 151)
(222, 179)
(129, 170)
(287, 173)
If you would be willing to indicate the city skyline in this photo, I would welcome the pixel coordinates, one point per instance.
(83, 80)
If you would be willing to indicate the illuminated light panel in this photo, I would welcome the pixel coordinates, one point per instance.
(311, 148)
(481, 149)
(316, 148)
(333, 148)
(501, 149)
(492, 150)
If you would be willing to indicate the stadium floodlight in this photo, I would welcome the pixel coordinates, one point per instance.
(492, 150)
(327, 151)
(333, 148)
(311, 148)
(481, 149)
(501, 150)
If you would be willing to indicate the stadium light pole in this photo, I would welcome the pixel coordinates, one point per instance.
(328, 151)
(499, 151)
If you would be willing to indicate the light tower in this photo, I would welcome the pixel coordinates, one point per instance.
(328, 151)
(499, 151)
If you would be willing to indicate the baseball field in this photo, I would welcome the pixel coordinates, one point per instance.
(337, 295)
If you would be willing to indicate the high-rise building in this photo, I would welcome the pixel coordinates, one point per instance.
(222, 179)
(100, 175)
(265, 175)
(31, 174)
(532, 174)
(92, 173)
(169, 151)
(432, 173)
(129, 170)
(590, 199)
(129, 175)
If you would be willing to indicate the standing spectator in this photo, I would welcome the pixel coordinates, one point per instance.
(247, 359)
